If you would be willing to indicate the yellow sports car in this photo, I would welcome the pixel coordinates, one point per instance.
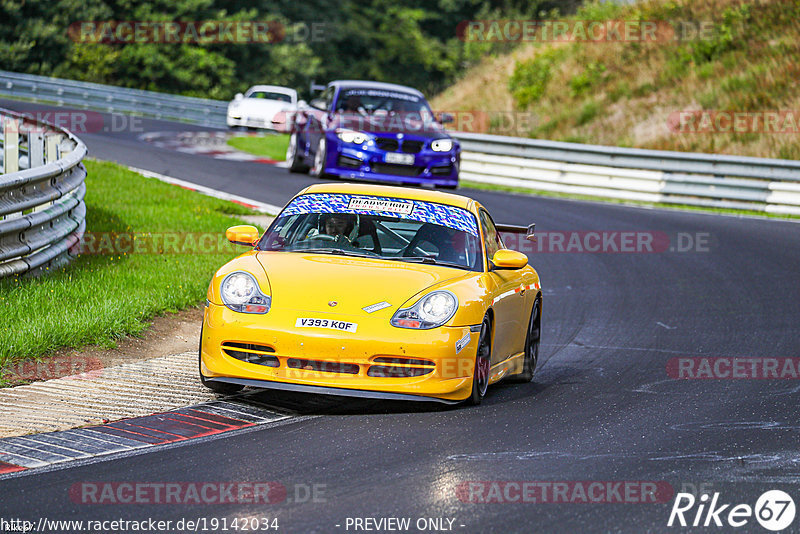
(373, 291)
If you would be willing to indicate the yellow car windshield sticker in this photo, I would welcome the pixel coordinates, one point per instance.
(407, 209)
(377, 204)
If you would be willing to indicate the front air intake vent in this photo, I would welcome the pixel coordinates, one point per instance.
(391, 371)
(398, 367)
(251, 353)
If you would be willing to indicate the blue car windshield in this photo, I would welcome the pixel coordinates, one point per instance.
(364, 101)
(377, 227)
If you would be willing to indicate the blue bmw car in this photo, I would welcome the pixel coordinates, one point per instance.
(373, 131)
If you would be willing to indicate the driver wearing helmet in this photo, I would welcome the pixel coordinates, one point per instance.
(335, 227)
(338, 224)
(353, 104)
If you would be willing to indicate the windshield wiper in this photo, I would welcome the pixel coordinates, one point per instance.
(412, 259)
(425, 259)
(335, 251)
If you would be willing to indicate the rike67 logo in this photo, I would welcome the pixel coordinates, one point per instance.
(774, 510)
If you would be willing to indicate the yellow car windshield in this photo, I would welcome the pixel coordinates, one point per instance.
(384, 228)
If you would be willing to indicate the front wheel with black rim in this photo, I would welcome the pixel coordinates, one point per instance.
(480, 376)
(293, 158)
(222, 388)
(318, 170)
(531, 344)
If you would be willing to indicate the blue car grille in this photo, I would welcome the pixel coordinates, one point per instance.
(412, 147)
(388, 144)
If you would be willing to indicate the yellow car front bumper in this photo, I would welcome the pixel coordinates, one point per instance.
(378, 360)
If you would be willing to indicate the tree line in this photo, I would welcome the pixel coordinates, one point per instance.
(221, 47)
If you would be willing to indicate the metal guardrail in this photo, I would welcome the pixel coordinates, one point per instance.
(42, 213)
(768, 185)
(85, 95)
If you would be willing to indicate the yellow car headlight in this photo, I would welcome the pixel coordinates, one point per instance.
(240, 293)
(432, 310)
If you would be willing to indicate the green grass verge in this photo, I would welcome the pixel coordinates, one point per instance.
(99, 298)
(552, 194)
(272, 146)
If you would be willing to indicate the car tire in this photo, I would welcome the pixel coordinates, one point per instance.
(293, 158)
(222, 388)
(318, 169)
(531, 358)
(483, 356)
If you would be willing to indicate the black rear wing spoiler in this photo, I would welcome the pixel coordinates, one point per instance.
(513, 229)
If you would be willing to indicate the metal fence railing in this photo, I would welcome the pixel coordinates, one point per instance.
(112, 99)
(768, 185)
(42, 213)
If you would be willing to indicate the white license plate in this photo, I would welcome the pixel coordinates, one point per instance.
(402, 159)
(310, 322)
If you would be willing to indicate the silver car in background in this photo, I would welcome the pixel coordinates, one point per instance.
(263, 106)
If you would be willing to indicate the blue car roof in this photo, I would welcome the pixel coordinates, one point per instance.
(377, 85)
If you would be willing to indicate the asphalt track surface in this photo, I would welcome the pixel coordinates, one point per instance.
(602, 406)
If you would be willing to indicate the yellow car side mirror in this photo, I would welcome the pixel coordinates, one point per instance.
(242, 235)
(509, 259)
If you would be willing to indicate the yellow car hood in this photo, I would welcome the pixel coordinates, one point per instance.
(311, 282)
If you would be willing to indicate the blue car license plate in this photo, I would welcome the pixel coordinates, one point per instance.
(400, 159)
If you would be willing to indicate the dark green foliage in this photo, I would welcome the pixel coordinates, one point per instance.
(412, 42)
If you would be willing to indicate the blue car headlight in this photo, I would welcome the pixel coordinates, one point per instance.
(432, 310)
(351, 136)
(442, 145)
(240, 293)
